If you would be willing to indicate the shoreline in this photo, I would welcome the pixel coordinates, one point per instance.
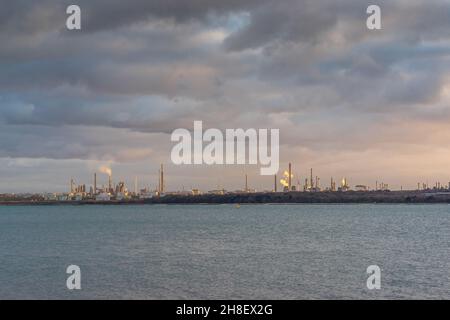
(349, 197)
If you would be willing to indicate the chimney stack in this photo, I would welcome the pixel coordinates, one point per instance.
(135, 185)
(95, 183)
(161, 179)
(289, 178)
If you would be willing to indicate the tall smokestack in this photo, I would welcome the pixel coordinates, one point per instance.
(311, 180)
(275, 183)
(95, 183)
(162, 178)
(246, 183)
(159, 181)
(109, 183)
(289, 178)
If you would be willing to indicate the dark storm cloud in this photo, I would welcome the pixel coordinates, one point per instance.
(34, 16)
(284, 21)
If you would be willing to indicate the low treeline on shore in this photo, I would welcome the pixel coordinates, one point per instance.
(267, 197)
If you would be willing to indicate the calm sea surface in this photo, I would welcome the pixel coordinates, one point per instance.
(221, 252)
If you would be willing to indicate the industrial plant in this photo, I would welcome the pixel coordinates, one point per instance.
(118, 191)
(289, 188)
(111, 191)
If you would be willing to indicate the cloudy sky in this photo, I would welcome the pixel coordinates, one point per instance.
(368, 105)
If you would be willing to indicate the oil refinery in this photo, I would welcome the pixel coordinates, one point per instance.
(289, 183)
(111, 191)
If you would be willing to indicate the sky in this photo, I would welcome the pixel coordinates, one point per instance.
(369, 105)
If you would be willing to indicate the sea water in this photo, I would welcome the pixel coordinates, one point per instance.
(225, 252)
